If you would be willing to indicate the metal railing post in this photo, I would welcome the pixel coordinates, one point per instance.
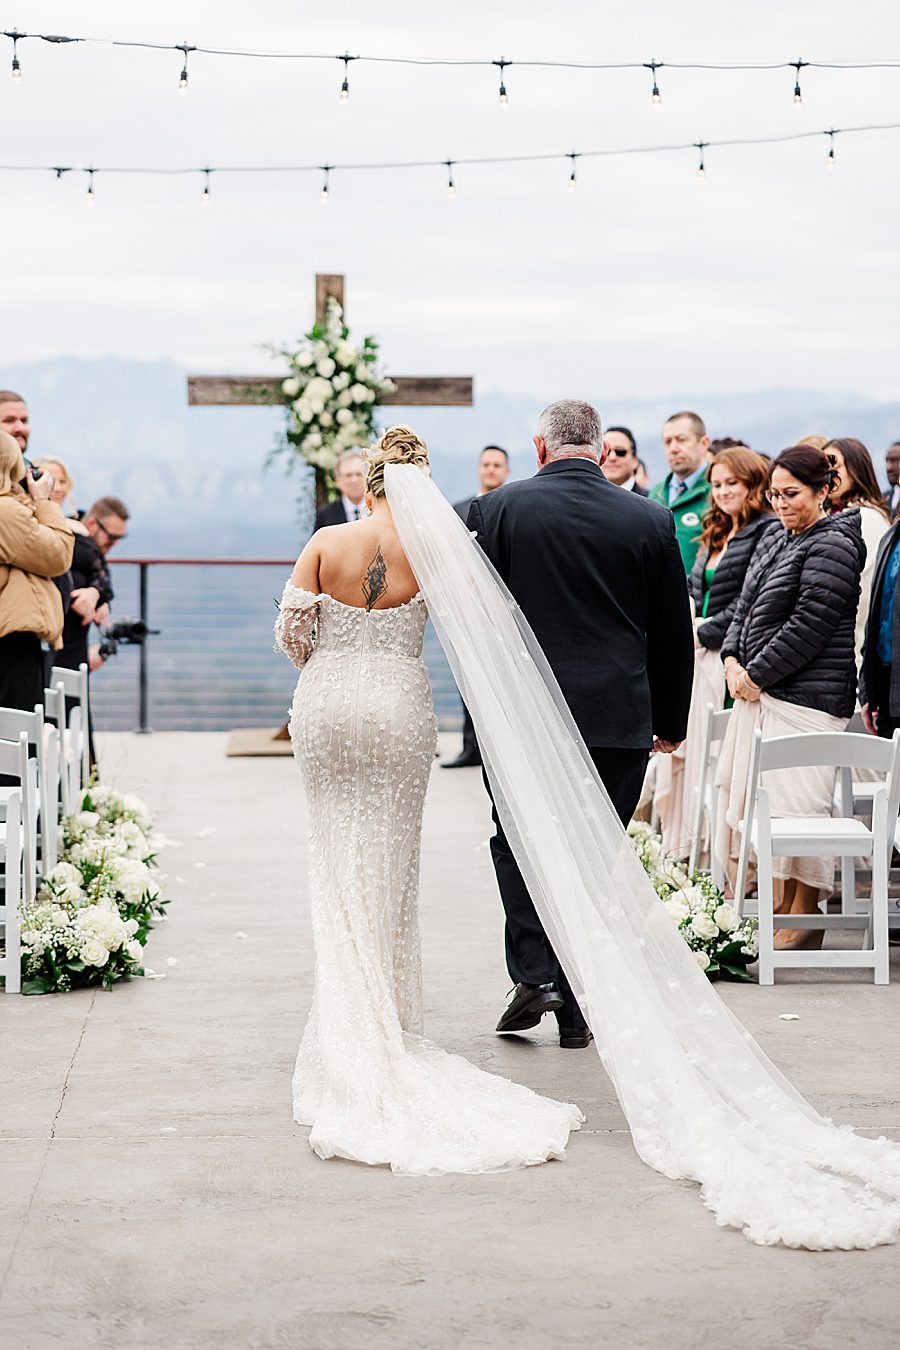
(143, 671)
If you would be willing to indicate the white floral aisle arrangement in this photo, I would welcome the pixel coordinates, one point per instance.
(330, 396)
(723, 943)
(93, 912)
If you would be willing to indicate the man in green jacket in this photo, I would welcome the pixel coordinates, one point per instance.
(685, 490)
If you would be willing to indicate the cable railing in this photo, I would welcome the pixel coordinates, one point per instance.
(209, 662)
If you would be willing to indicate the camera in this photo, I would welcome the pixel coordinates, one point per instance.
(126, 630)
(35, 473)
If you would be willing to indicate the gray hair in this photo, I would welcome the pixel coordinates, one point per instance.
(568, 423)
(345, 457)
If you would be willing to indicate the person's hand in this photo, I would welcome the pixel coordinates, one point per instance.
(39, 488)
(747, 690)
(870, 718)
(101, 614)
(733, 673)
(85, 600)
(661, 747)
(95, 660)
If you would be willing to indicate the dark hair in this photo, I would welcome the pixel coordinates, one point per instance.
(807, 465)
(627, 433)
(725, 443)
(864, 489)
(499, 449)
(104, 507)
(749, 469)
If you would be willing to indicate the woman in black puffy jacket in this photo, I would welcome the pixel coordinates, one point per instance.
(790, 662)
(738, 519)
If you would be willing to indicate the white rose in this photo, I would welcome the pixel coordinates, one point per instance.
(87, 820)
(134, 950)
(94, 953)
(344, 398)
(326, 368)
(343, 416)
(677, 910)
(66, 874)
(317, 405)
(326, 419)
(358, 393)
(345, 354)
(362, 371)
(704, 926)
(726, 918)
(341, 380)
(702, 960)
(313, 440)
(304, 359)
(291, 386)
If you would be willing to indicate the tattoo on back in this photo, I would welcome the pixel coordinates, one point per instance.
(375, 583)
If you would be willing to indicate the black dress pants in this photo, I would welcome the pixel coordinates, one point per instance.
(21, 677)
(530, 958)
(887, 724)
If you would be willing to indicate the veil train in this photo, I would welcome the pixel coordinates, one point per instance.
(702, 1100)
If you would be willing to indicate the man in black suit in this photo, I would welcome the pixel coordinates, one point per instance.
(350, 477)
(493, 471)
(879, 680)
(891, 498)
(599, 577)
(622, 463)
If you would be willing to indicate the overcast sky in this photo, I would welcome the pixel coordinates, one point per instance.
(773, 271)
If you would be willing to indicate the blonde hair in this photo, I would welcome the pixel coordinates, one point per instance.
(12, 465)
(398, 445)
(815, 441)
(64, 478)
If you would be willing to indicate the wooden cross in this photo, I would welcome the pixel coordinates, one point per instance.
(411, 390)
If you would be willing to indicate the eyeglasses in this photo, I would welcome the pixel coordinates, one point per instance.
(788, 495)
(113, 538)
(620, 454)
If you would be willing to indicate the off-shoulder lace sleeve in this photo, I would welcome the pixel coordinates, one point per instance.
(295, 627)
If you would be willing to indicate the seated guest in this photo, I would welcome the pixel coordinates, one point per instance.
(733, 528)
(350, 479)
(856, 485)
(493, 471)
(790, 665)
(685, 490)
(36, 544)
(891, 499)
(621, 463)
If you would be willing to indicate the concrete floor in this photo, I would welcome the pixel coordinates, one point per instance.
(155, 1192)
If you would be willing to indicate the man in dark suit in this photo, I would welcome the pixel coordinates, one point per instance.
(599, 577)
(493, 471)
(622, 463)
(879, 680)
(891, 498)
(350, 477)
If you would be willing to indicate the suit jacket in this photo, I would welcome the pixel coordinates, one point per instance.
(870, 680)
(462, 508)
(331, 514)
(886, 499)
(599, 577)
(639, 491)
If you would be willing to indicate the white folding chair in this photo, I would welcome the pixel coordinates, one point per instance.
(13, 722)
(715, 724)
(75, 688)
(12, 855)
(821, 836)
(15, 762)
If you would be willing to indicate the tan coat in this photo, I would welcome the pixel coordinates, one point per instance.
(36, 543)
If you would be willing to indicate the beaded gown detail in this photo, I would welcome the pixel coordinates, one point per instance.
(368, 1083)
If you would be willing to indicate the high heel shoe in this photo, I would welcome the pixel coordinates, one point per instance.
(798, 939)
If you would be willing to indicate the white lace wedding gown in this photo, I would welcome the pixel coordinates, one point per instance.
(368, 1083)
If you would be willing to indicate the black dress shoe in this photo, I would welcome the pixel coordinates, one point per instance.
(529, 1003)
(467, 760)
(575, 1038)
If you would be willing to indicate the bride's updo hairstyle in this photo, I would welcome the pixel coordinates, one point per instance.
(398, 445)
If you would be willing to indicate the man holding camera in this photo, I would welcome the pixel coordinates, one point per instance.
(105, 525)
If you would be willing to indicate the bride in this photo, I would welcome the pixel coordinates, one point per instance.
(702, 1100)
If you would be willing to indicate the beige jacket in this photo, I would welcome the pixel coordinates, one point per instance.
(36, 543)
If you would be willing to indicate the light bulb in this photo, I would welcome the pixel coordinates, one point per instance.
(89, 195)
(345, 92)
(798, 96)
(656, 96)
(323, 195)
(504, 96)
(701, 170)
(183, 82)
(830, 160)
(16, 69)
(451, 188)
(206, 198)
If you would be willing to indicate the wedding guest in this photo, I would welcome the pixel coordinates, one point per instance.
(724, 443)
(790, 664)
(350, 479)
(685, 489)
(14, 418)
(621, 463)
(734, 527)
(879, 683)
(642, 477)
(891, 498)
(814, 441)
(493, 471)
(35, 545)
(63, 482)
(856, 485)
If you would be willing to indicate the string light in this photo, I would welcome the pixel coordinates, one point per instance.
(798, 93)
(504, 96)
(323, 195)
(89, 195)
(451, 186)
(206, 199)
(16, 67)
(830, 158)
(183, 81)
(701, 167)
(345, 86)
(573, 181)
(655, 95)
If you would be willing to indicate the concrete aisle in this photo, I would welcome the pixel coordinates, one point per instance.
(155, 1192)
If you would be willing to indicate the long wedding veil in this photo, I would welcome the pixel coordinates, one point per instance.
(702, 1100)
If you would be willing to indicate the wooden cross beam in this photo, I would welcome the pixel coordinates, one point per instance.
(412, 390)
